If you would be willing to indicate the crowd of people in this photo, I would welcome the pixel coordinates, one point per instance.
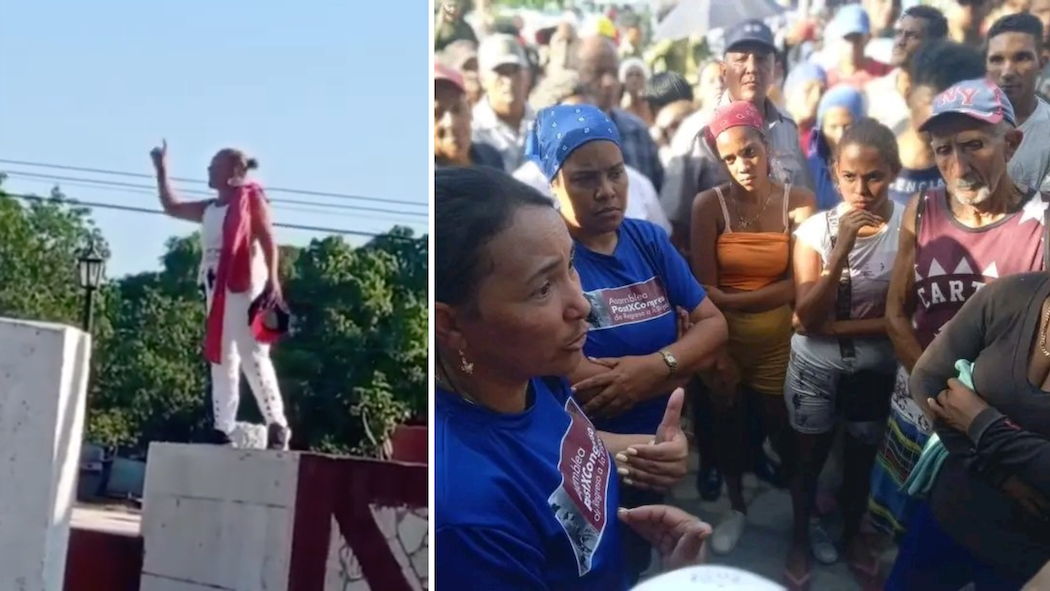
(825, 240)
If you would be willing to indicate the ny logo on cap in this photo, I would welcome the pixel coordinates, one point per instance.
(963, 96)
(752, 28)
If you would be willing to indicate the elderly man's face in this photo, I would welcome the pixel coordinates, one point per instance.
(599, 69)
(748, 72)
(972, 156)
(506, 88)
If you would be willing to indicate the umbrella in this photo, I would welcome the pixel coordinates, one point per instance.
(696, 17)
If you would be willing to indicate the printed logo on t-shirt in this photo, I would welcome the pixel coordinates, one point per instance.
(953, 283)
(579, 502)
(912, 185)
(629, 304)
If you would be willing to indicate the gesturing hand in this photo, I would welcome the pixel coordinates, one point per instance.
(677, 535)
(159, 155)
(661, 464)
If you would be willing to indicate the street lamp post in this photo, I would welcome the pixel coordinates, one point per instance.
(92, 268)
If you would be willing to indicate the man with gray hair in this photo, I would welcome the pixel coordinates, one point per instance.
(750, 58)
(981, 226)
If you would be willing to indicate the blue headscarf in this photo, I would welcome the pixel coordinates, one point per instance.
(803, 73)
(560, 129)
(820, 152)
(844, 96)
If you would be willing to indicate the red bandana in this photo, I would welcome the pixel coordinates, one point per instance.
(735, 114)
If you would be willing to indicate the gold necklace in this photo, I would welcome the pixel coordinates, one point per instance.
(442, 380)
(743, 223)
(1042, 337)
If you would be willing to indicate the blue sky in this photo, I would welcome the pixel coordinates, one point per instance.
(296, 84)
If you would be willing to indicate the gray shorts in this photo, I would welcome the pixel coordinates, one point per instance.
(818, 398)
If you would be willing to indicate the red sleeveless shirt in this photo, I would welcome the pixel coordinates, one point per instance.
(952, 261)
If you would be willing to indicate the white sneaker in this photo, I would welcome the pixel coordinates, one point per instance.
(820, 544)
(728, 532)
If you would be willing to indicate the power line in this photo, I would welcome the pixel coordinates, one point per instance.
(131, 209)
(200, 182)
(153, 193)
(146, 189)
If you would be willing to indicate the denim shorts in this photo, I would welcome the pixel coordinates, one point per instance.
(818, 398)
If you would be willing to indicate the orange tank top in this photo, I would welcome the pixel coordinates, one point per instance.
(752, 260)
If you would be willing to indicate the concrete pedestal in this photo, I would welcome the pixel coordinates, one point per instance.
(43, 385)
(245, 520)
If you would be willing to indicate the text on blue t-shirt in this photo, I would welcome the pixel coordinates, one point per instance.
(524, 501)
(633, 294)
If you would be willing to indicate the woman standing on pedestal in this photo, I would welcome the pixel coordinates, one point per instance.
(239, 275)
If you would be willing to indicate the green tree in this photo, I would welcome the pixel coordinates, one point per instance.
(40, 242)
(354, 365)
(150, 378)
(359, 351)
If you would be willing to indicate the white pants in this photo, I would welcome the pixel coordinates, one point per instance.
(241, 352)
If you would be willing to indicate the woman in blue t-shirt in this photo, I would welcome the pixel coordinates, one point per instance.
(639, 287)
(525, 490)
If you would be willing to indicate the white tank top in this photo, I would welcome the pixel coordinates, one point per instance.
(211, 247)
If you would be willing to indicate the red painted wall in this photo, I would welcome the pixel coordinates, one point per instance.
(344, 488)
(411, 444)
(103, 561)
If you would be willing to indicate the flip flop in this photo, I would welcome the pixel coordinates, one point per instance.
(866, 574)
(800, 584)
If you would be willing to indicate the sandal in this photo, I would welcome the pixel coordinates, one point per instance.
(797, 584)
(866, 573)
(863, 559)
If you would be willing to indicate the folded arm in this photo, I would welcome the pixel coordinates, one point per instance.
(962, 338)
(1003, 447)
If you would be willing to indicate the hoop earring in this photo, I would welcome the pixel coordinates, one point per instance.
(466, 366)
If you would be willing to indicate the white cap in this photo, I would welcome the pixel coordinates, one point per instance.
(500, 49)
(709, 577)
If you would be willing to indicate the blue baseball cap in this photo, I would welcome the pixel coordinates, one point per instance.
(978, 99)
(750, 32)
(851, 19)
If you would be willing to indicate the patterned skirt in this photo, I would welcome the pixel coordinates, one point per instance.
(906, 433)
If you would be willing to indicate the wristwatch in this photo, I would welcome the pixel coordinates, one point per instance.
(672, 363)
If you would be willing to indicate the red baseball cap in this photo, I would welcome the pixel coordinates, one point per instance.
(268, 324)
(442, 72)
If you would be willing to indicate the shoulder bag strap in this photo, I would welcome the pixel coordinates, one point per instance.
(844, 294)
